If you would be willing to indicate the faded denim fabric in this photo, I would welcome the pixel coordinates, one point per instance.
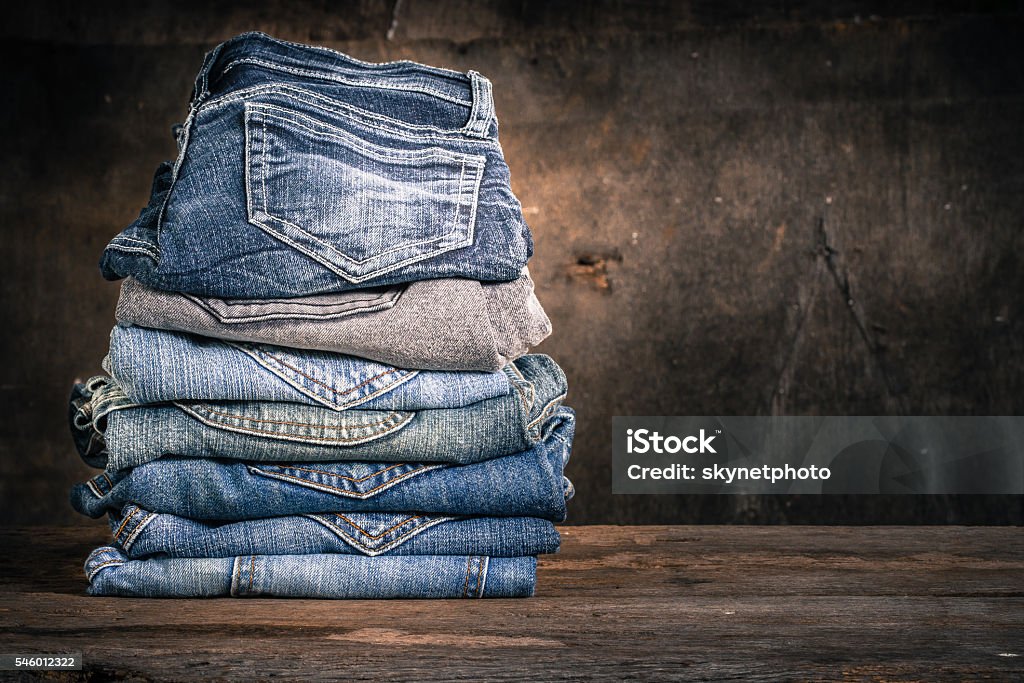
(304, 171)
(446, 324)
(155, 366)
(333, 575)
(139, 533)
(530, 484)
(112, 432)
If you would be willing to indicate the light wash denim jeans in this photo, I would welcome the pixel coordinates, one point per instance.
(112, 432)
(304, 171)
(139, 533)
(334, 575)
(445, 324)
(530, 484)
(154, 366)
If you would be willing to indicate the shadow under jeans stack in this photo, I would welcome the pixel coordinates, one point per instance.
(318, 385)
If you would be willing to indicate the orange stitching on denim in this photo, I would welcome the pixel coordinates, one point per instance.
(328, 386)
(352, 479)
(252, 570)
(383, 533)
(101, 566)
(335, 488)
(465, 584)
(104, 475)
(480, 578)
(211, 411)
(123, 522)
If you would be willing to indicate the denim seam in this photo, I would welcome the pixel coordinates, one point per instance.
(255, 352)
(380, 84)
(125, 521)
(186, 138)
(354, 480)
(390, 418)
(373, 150)
(345, 493)
(129, 541)
(284, 436)
(434, 70)
(252, 570)
(378, 122)
(485, 565)
(330, 388)
(134, 250)
(126, 238)
(390, 545)
(465, 584)
(95, 570)
(92, 487)
(234, 576)
(545, 412)
(381, 302)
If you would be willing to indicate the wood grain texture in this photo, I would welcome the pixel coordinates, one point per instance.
(654, 603)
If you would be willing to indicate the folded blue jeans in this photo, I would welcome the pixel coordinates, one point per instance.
(154, 366)
(112, 573)
(139, 533)
(304, 171)
(528, 484)
(114, 433)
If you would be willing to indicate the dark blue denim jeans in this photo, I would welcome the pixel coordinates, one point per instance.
(304, 171)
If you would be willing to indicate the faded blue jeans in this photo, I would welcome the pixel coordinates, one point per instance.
(112, 432)
(304, 171)
(139, 533)
(529, 484)
(153, 366)
(333, 575)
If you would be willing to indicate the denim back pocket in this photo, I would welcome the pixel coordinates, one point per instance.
(379, 532)
(331, 379)
(359, 480)
(315, 307)
(303, 424)
(358, 207)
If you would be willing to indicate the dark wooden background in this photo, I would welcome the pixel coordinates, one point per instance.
(685, 168)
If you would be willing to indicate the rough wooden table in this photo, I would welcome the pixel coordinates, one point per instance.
(654, 603)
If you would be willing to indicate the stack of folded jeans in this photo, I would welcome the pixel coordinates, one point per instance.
(318, 384)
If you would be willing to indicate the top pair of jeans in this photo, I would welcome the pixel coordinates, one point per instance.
(304, 171)
(155, 366)
(444, 324)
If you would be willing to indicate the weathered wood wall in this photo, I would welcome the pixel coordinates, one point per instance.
(685, 167)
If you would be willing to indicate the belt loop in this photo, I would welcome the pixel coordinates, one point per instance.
(483, 107)
(202, 85)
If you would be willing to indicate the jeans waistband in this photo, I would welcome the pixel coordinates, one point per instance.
(469, 89)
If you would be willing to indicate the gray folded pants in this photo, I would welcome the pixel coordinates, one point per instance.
(444, 324)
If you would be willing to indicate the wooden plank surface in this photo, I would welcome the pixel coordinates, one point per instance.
(653, 603)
